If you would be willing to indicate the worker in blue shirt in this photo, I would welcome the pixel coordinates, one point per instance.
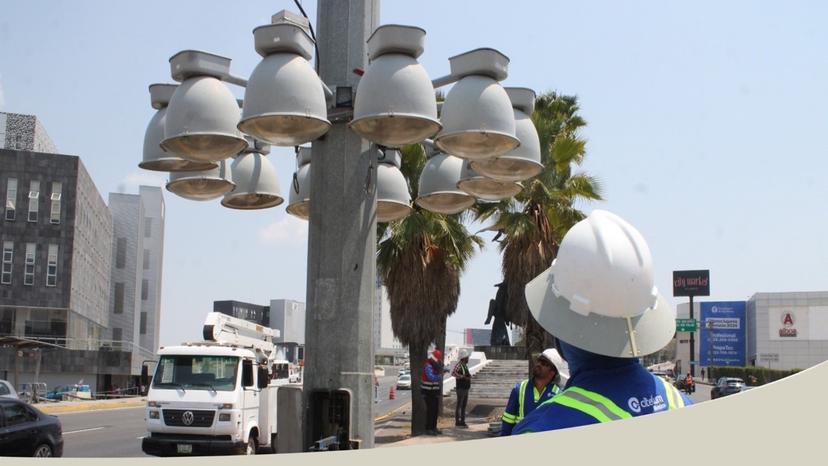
(549, 376)
(599, 300)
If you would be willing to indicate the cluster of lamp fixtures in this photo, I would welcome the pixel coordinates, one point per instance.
(484, 143)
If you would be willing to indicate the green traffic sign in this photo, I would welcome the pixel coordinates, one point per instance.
(686, 325)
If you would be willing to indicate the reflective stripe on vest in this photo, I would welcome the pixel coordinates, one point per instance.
(590, 403)
(674, 399)
(522, 398)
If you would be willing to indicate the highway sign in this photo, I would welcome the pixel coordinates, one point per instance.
(686, 325)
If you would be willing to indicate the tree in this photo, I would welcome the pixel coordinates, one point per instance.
(420, 259)
(534, 222)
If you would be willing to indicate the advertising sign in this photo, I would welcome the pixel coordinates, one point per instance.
(691, 283)
(722, 333)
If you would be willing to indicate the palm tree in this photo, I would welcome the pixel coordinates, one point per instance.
(420, 259)
(534, 222)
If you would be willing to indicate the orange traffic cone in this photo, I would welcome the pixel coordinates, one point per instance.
(392, 393)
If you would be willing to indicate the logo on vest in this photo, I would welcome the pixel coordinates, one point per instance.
(656, 402)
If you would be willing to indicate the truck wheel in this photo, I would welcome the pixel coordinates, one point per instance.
(250, 448)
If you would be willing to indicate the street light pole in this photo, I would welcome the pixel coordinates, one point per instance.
(341, 280)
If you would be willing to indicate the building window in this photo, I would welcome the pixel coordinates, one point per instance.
(120, 253)
(118, 307)
(143, 323)
(11, 198)
(34, 195)
(54, 214)
(146, 259)
(8, 260)
(117, 337)
(144, 289)
(147, 227)
(51, 266)
(29, 264)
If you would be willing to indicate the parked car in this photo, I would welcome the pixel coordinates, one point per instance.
(26, 431)
(7, 390)
(404, 382)
(71, 392)
(727, 386)
(31, 392)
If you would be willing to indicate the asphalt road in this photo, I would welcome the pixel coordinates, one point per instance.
(117, 433)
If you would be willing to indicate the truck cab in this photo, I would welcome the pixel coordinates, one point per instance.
(212, 398)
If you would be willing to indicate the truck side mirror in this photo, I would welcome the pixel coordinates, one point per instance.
(144, 375)
(264, 379)
(247, 373)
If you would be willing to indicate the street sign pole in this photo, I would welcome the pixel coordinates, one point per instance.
(692, 342)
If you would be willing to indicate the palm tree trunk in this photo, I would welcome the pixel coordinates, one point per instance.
(441, 345)
(416, 357)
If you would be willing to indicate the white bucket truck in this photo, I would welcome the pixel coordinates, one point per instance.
(217, 396)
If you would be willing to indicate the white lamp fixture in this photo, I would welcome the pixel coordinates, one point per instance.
(393, 197)
(202, 115)
(395, 103)
(156, 158)
(525, 161)
(299, 196)
(477, 117)
(284, 102)
(203, 185)
(486, 189)
(257, 185)
(438, 190)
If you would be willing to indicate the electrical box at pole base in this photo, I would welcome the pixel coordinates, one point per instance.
(331, 417)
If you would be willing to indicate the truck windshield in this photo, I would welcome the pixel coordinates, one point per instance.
(211, 373)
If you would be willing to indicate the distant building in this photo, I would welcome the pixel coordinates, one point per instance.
(61, 308)
(478, 337)
(387, 348)
(285, 315)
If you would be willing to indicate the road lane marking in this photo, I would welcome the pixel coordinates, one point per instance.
(82, 430)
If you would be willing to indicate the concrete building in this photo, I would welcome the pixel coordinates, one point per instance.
(56, 237)
(288, 317)
(80, 284)
(247, 311)
(478, 337)
(387, 348)
(138, 252)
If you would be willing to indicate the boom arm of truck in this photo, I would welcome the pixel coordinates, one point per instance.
(229, 330)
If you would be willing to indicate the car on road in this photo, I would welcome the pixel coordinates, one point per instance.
(70, 392)
(404, 382)
(26, 431)
(7, 390)
(727, 386)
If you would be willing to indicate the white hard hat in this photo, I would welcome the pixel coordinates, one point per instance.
(599, 294)
(552, 355)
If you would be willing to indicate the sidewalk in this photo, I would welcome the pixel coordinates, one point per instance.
(89, 405)
(396, 430)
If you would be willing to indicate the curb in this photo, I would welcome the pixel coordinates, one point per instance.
(81, 407)
(391, 413)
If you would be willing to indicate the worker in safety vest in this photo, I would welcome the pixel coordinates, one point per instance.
(549, 376)
(431, 386)
(599, 300)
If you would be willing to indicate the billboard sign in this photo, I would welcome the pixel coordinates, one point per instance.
(723, 333)
(691, 283)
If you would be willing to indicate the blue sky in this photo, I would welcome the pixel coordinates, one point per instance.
(706, 124)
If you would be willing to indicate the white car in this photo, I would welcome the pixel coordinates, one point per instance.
(404, 382)
(7, 390)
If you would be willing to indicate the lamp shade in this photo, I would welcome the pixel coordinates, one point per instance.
(155, 158)
(523, 162)
(257, 185)
(395, 103)
(203, 185)
(484, 188)
(438, 190)
(393, 198)
(284, 102)
(299, 196)
(201, 121)
(477, 117)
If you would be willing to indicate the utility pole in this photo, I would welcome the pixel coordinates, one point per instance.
(341, 280)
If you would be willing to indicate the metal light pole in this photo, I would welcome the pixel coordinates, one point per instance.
(339, 350)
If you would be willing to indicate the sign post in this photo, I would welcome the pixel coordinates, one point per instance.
(691, 283)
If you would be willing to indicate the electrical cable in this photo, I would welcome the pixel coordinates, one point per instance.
(313, 35)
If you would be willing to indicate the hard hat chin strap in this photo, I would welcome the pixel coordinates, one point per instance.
(631, 335)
